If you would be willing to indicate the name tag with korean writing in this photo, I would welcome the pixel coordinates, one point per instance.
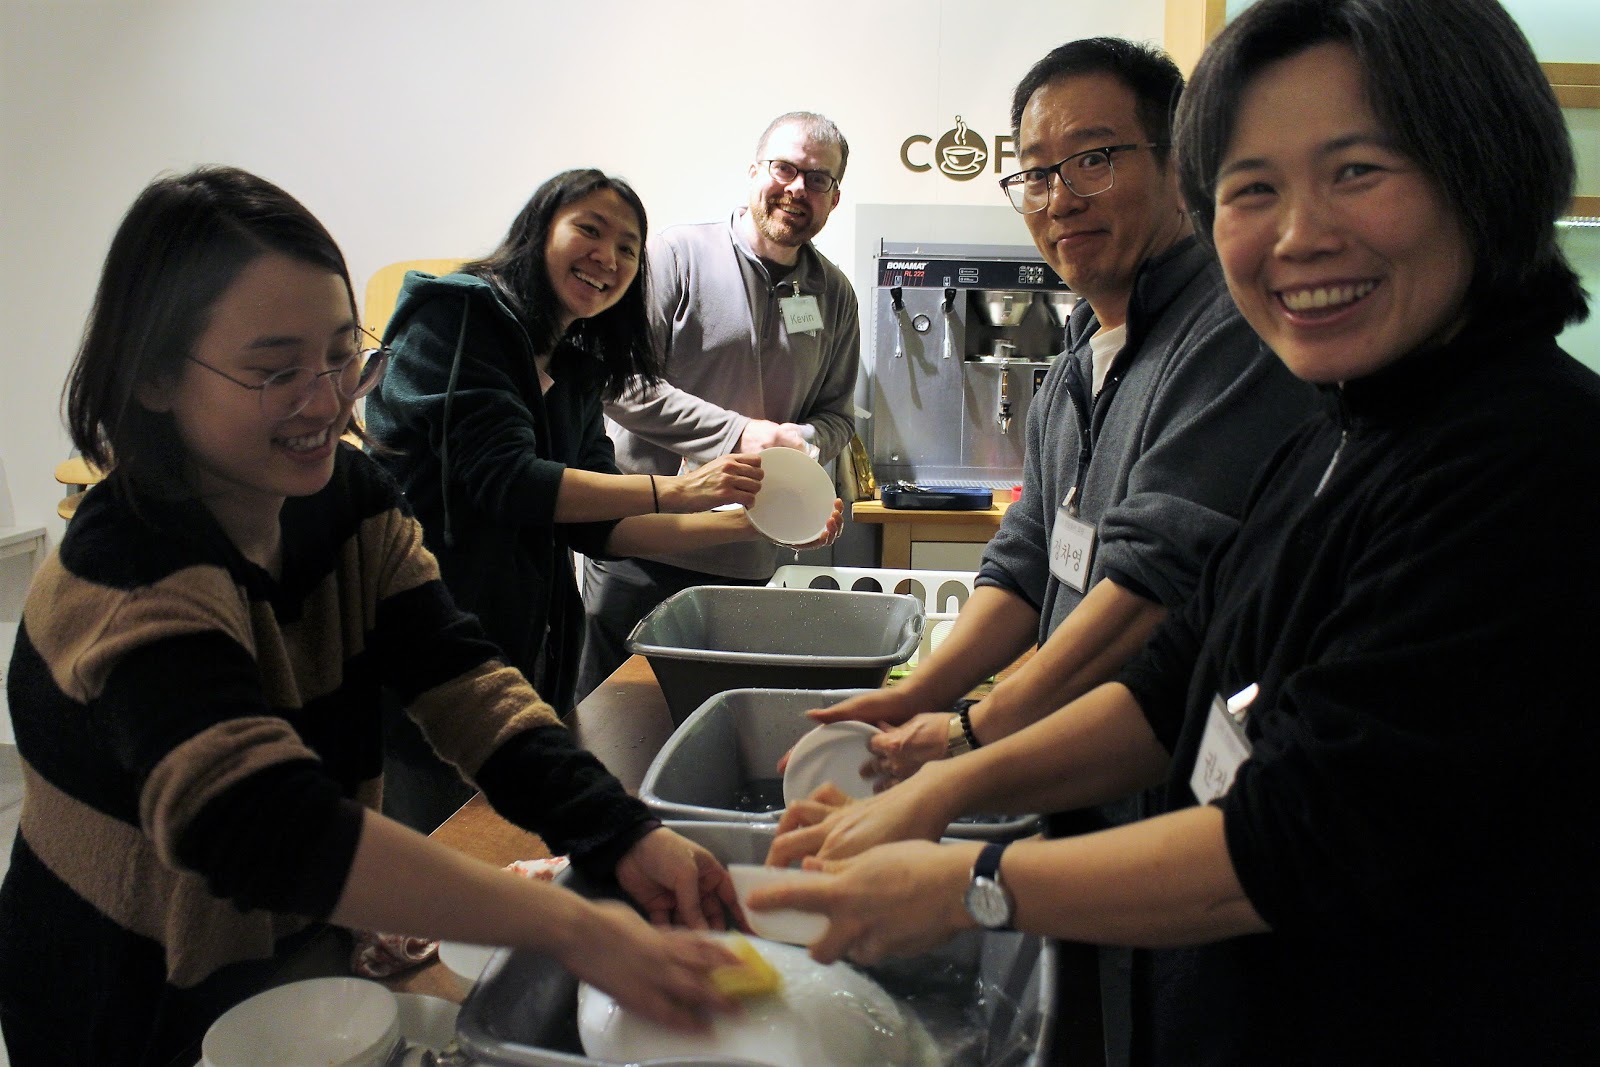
(800, 314)
(1071, 545)
(1223, 747)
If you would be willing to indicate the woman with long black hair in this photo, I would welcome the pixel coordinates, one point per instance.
(491, 420)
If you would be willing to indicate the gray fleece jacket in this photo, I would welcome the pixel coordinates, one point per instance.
(727, 358)
(1190, 409)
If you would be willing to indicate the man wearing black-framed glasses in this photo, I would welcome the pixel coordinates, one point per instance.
(1140, 446)
(759, 338)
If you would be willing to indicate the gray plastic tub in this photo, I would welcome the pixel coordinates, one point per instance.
(712, 638)
(720, 764)
(523, 1010)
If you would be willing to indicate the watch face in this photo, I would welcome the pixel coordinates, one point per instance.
(987, 903)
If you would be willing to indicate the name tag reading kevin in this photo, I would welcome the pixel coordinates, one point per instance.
(800, 314)
(1071, 545)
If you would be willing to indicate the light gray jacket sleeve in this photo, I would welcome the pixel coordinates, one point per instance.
(665, 415)
(1219, 414)
(833, 414)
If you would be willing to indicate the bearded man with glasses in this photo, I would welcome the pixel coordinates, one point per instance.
(1141, 442)
(759, 344)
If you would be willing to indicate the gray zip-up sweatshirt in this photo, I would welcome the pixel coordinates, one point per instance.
(727, 358)
(1190, 410)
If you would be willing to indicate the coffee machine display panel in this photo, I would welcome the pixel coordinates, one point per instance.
(925, 272)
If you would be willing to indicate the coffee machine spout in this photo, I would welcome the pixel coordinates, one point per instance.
(1002, 415)
(897, 308)
(951, 323)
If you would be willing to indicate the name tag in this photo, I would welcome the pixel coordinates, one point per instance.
(1223, 747)
(1071, 545)
(800, 314)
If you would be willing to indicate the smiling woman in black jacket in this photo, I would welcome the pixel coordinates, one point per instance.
(1375, 721)
(491, 421)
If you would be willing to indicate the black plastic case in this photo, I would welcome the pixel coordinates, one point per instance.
(936, 498)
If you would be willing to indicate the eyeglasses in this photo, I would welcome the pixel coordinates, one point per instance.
(1087, 173)
(286, 393)
(817, 181)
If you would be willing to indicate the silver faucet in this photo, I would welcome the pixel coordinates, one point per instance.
(1002, 416)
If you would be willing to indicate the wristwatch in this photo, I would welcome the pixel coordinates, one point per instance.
(987, 900)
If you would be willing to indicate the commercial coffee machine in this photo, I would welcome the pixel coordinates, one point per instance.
(963, 336)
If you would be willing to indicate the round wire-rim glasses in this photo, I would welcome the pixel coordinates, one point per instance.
(817, 181)
(286, 393)
(1094, 173)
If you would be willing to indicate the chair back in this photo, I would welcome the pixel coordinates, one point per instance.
(77, 474)
(383, 288)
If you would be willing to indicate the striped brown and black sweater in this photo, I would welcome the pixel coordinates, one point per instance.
(197, 742)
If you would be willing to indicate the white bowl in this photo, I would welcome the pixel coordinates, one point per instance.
(779, 924)
(427, 1021)
(321, 1022)
(830, 1014)
(833, 753)
(796, 497)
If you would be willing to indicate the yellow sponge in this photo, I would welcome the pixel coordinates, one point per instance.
(752, 976)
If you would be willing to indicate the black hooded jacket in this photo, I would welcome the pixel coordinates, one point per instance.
(480, 453)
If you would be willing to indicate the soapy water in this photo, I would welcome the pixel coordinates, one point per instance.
(833, 1014)
(964, 1018)
(758, 796)
(902, 1038)
(931, 1011)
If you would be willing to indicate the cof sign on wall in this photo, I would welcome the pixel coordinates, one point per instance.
(960, 154)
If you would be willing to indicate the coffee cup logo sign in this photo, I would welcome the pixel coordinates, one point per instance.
(957, 158)
(961, 154)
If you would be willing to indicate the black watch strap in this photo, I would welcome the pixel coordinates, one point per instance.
(987, 865)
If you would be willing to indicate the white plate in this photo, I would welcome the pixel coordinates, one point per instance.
(832, 753)
(465, 960)
(796, 497)
(830, 1014)
(780, 924)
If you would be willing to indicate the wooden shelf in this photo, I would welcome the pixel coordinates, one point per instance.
(903, 526)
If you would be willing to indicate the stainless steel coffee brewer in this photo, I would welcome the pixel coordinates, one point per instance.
(962, 338)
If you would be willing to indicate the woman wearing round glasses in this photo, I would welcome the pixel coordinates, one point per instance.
(195, 686)
(1374, 724)
(286, 393)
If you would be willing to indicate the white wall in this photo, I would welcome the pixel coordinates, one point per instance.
(416, 128)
